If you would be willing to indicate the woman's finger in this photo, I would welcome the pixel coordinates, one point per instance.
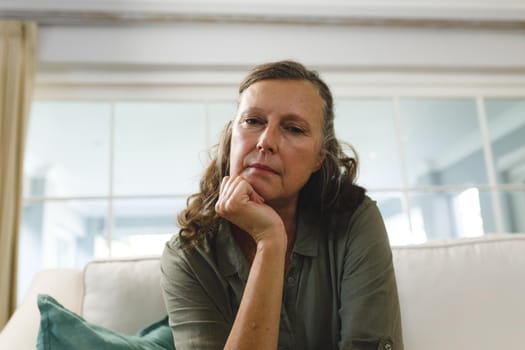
(220, 201)
(227, 192)
(229, 185)
(236, 194)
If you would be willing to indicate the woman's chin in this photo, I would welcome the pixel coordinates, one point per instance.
(261, 186)
(264, 192)
(273, 199)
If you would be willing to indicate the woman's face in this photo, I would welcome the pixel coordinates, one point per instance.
(276, 138)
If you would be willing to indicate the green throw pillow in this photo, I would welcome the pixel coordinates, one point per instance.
(61, 329)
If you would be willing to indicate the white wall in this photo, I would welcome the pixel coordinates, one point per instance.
(196, 48)
(237, 44)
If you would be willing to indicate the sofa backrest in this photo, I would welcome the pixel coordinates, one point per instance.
(463, 294)
(455, 295)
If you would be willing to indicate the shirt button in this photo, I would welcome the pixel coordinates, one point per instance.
(291, 280)
(388, 347)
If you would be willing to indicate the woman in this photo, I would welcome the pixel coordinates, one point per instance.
(280, 249)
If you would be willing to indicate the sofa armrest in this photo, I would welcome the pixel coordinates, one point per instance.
(65, 285)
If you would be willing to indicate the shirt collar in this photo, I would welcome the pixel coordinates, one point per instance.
(308, 234)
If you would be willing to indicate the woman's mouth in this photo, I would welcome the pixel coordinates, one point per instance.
(263, 167)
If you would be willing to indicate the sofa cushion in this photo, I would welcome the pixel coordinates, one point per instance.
(463, 294)
(123, 295)
(63, 329)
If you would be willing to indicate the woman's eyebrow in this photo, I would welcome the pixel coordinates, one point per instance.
(251, 110)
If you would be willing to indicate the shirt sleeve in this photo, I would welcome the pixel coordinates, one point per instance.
(194, 318)
(369, 311)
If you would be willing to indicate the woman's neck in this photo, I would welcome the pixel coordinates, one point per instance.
(288, 213)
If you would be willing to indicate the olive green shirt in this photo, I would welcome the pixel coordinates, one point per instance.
(339, 291)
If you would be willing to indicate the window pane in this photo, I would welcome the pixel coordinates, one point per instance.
(513, 208)
(443, 215)
(160, 148)
(219, 113)
(442, 142)
(142, 226)
(67, 149)
(368, 125)
(395, 217)
(506, 120)
(65, 234)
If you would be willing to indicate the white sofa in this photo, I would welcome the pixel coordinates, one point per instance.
(455, 295)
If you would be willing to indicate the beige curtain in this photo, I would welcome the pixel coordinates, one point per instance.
(17, 66)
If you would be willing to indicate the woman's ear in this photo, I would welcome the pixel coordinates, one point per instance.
(320, 160)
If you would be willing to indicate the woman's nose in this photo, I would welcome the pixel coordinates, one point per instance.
(269, 140)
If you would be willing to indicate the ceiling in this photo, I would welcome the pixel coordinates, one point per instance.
(505, 14)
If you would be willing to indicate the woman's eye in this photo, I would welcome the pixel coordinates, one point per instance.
(295, 129)
(251, 121)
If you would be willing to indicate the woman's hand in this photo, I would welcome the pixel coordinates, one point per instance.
(241, 205)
